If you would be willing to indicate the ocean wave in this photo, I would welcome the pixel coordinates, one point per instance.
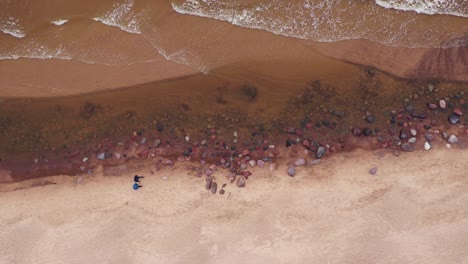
(323, 21)
(33, 50)
(59, 22)
(429, 7)
(123, 17)
(12, 26)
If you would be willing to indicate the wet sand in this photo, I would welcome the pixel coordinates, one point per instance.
(414, 210)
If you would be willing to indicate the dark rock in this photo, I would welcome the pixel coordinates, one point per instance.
(214, 187)
(431, 106)
(403, 135)
(160, 127)
(407, 147)
(370, 118)
(320, 152)
(429, 136)
(427, 127)
(409, 108)
(291, 171)
(208, 183)
(367, 132)
(453, 119)
(373, 170)
(240, 182)
(288, 143)
(221, 191)
(356, 132)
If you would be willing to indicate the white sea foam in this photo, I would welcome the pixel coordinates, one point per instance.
(12, 26)
(123, 17)
(59, 22)
(33, 50)
(430, 7)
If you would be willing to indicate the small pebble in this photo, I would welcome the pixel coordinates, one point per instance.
(300, 162)
(442, 104)
(427, 145)
(452, 139)
(373, 170)
(291, 171)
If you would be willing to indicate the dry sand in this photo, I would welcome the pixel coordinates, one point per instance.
(415, 210)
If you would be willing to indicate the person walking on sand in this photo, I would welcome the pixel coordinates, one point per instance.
(136, 186)
(137, 178)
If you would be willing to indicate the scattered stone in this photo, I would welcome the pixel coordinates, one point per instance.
(442, 104)
(101, 156)
(85, 159)
(403, 135)
(452, 139)
(164, 178)
(208, 183)
(407, 147)
(300, 162)
(356, 132)
(409, 107)
(430, 88)
(367, 132)
(273, 166)
(221, 192)
(427, 145)
(117, 155)
(187, 139)
(413, 132)
(314, 162)
(458, 111)
(370, 118)
(429, 136)
(209, 172)
(427, 127)
(214, 187)
(79, 180)
(291, 171)
(143, 141)
(260, 163)
(432, 106)
(244, 166)
(241, 182)
(156, 143)
(320, 152)
(373, 170)
(412, 140)
(252, 163)
(445, 135)
(168, 162)
(453, 119)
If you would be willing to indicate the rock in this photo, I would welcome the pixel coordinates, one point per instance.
(187, 139)
(453, 119)
(313, 162)
(403, 135)
(356, 132)
(168, 163)
(291, 171)
(427, 145)
(143, 141)
(209, 172)
(458, 111)
(160, 127)
(430, 88)
(244, 166)
(413, 132)
(205, 154)
(273, 166)
(373, 170)
(300, 162)
(370, 118)
(79, 180)
(208, 183)
(156, 143)
(102, 156)
(85, 159)
(367, 132)
(412, 140)
(260, 163)
(221, 191)
(429, 136)
(320, 152)
(240, 182)
(214, 187)
(407, 147)
(431, 106)
(445, 135)
(442, 104)
(117, 155)
(452, 139)
(252, 163)
(409, 108)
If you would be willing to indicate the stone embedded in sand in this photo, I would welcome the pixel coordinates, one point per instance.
(205, 154)
(409, 107)
(273, 166)
(320, 152)
(403, 135)
(412, 140)
(453, 119)
(407, 147)
(370, 118)
(356, 132)
(367, 132)
(117, 155)
(208, 172)
(442, 104)
(300, 162)
(244, 166)
(252, 163)
(429, 136)
(168, 163)
(209, 181)
(452, 139)
(245, 152)
(101, 156)
(143, 141)
(458, 111)
(373, 170)
(214, 187)
(431, 106)
(427, 146)
(260, 163)
(240, 182)
(413, 132)
(291, 171)
(156, 143)
(221, 192)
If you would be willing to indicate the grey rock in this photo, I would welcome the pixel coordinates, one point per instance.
(300, 162)
(143, 141)
(370, 118)
(156, 143)
(452, 139)
(407, 147)
(412, 140)
(320, 152)
(373, 170)
(429, 136)
(453, 119)
(101, 156)
(291, 171)
(260, 163)
(240, 182)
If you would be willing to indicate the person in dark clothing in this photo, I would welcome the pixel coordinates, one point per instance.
(136, 186)
(137, 178)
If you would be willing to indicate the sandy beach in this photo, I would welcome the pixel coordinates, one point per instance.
(414, 210)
